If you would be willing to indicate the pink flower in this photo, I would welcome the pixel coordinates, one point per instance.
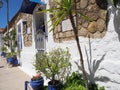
(38, 76)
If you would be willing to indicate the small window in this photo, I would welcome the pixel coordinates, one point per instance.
(19, 36)
(28, 30)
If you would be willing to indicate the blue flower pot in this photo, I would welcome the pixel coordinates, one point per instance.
(15, 62)
(54, 87)
(3, 54)
(12, 61)
(38, 84)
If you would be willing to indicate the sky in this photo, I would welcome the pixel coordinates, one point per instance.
(14, 6)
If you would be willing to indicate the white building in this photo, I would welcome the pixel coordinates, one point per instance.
(103, 47)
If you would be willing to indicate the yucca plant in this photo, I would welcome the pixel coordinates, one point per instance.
(115, 2)
(68, 8)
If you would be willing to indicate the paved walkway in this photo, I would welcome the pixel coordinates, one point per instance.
(11, 78)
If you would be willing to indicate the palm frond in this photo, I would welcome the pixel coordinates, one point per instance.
(85, 16)
(57, 21)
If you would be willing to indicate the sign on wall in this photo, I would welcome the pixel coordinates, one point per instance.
(66, 24)
(40, 41)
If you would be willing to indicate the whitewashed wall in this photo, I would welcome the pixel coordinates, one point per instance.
(105, 54)
(27, 57)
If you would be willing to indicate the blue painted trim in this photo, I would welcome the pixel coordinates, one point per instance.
(38, 1)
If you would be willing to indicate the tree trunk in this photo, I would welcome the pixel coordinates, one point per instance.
(79, 49)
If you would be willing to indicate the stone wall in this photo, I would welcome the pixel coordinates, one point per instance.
(103, 55)
(27, 18)
(96, 28)
(103, 52)
(27, 31)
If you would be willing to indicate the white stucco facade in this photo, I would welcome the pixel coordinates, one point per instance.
(27, 55)
(105, 54)
(108, 70)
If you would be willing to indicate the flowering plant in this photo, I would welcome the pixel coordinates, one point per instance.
(37, 77)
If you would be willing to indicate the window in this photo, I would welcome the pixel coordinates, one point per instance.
(19, 37)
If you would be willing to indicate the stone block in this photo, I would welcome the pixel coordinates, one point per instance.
(64, 39)
(103, 34)
(24, 32)
(30, 38)
(56, 35)
(82, 32)
(60, 34)
(25, 39)
(79, 27)
(72, 38)
(29, 43)
(69, 39)
(101, 25)
(72, 32)
(81, 20)
(55, 30)
(97, 34)
(56, 40)
(78, 5)
(85, 24)
(83, 3)
(93, 15)
(90, 35)
(102, 14)
(92, 8)
(92, 27)
(68, 34)
(59, 28)
(92, 1)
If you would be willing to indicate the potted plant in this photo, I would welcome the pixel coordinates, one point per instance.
(12, 60)
(3, 49)
(37, 82)
(52, 64)
(10, 38)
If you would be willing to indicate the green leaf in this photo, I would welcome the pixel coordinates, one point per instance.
(85, 16)
(53, 62)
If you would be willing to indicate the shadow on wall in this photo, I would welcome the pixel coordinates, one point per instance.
(116, 20)
(93, 66)
(103, 4)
